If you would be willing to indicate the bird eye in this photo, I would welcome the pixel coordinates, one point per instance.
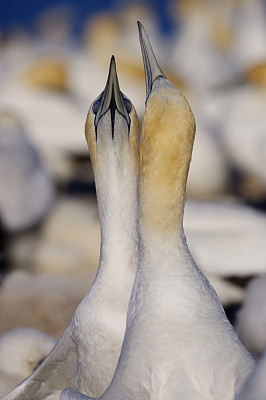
(128, 105)
(96, 106)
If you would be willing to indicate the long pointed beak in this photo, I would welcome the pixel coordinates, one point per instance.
(111, 98)
(151, 66)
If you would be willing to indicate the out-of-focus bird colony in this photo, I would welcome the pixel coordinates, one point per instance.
(50, 234)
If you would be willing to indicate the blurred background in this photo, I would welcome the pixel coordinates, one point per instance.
(54, 59)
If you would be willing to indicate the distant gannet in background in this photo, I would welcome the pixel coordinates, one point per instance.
(226, 238)
(21, 351)
(178, 343)
(251, 318)
(26, 188)
(87, 353)
(209, 171)
(249, 33)
(30, 71)
(203, 38)
(243, 131)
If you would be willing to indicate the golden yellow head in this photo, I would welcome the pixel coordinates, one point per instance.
(168, 128)
(168, 132)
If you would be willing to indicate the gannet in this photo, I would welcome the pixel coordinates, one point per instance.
(209, 171)
(87, 353)
(251, 318)
(243, 132)
(178, 342)
(26, 188)
(249, 32)
(224, 236)
(44, 110)
(203, 38)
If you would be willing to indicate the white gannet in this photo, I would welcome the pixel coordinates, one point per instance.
(26, 188)
(203, 37)
(251, 318)
(87, 353)
(224, 237)
(21, 351)
(243, 131)
(178, 342)
(249, 33)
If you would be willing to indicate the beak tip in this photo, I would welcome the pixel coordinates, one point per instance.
(151, 66)
(141, 29)
(112, 70)
(112, 61)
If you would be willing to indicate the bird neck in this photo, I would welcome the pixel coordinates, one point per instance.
(115, 162)
(167, 139)
(117, 195)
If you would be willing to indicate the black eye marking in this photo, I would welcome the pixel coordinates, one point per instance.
(95, 106)
(112, 107)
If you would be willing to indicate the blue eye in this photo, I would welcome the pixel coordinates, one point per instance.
(128, 105)
(96, 106)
